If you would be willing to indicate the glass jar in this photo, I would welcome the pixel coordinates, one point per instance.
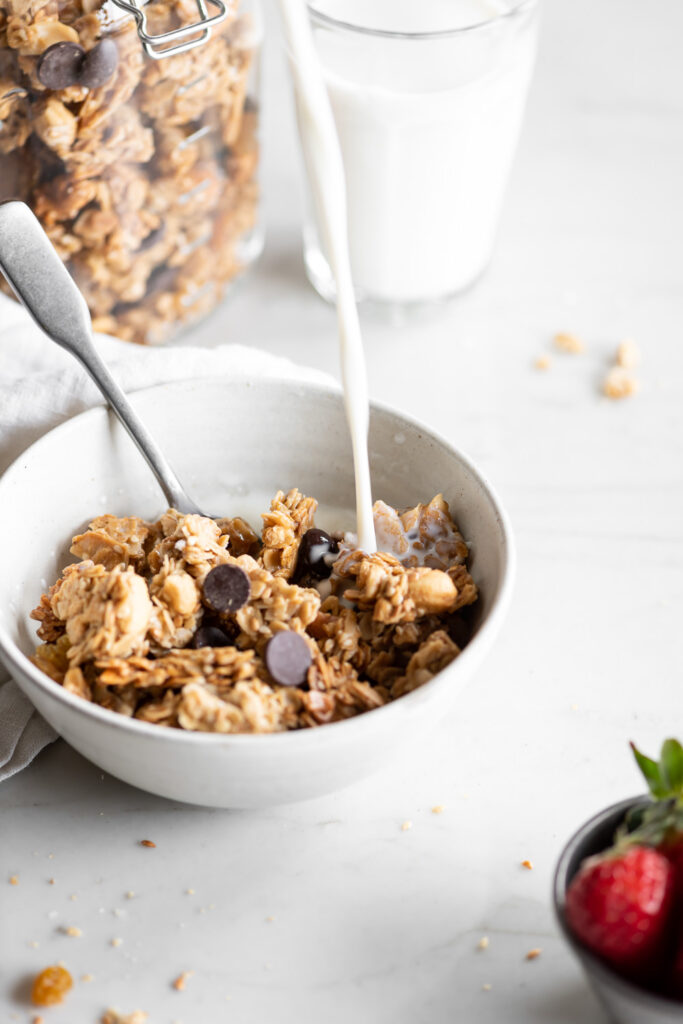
(134, 139)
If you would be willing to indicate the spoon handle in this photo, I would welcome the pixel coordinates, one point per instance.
(43, 284)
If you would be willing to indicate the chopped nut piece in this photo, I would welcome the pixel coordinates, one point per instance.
(533, 954)
(483, 942)
(628, 355)
(568, 343)
(114, 1017)
(620, 383)
(181, 981)
(73, 932)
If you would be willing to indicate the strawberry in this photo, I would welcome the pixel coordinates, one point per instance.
(619, 905)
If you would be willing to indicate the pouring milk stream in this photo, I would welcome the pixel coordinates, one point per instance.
(326, 173)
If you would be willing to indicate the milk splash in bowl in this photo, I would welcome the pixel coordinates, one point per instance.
(428, 99)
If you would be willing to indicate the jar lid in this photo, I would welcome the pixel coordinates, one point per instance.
(178, 40)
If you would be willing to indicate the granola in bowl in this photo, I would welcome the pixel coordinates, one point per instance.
(203, 625)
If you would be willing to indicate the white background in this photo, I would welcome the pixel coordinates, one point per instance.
(372, 923)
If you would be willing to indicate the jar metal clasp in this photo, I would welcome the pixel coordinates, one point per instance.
(179, 39)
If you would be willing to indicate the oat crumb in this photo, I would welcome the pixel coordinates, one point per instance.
(270, 919)
(528, 865)
(533, 954)
(406, 826)
(542, 363)
(620, 383)
(115, 1017)
(117, 942)
(438, 809)
(148, 842)
(38, 1020)
(73, 932)
(130, 895)
(181, 981)
(51, 881)
(189, 892)
(574, 707)
(483, 942)
(73, 897)
(486, 987)
(34, 944)
(628, 354)
(14, 880)
(87, 977)
(566, 342)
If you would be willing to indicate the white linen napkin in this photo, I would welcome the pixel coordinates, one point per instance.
(40, 386)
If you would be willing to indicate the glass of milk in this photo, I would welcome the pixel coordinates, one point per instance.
(428, 98)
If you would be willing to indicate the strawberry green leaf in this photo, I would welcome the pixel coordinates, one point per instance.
(652, 774)
(671, 766)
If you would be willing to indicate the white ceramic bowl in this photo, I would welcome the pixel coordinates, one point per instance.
(229, 441)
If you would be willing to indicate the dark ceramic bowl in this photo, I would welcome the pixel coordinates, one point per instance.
(623, 1002)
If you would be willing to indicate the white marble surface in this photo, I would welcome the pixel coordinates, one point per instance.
(371, 923)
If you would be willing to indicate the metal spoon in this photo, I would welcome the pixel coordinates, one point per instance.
(43, 284)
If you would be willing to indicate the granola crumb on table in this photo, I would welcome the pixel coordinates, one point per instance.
(176, 622)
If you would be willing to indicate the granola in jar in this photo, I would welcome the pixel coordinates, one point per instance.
(200, 624)
(142, 170)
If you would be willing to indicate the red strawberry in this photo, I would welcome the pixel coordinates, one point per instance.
(619, 906)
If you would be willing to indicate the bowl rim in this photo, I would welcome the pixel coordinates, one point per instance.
(16, 662)
(601, 972)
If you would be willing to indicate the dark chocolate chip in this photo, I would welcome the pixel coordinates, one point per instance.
(227, 588)
(60, 65)
(153, 237)
(211, 636)
(99, 64)
(317, 552)
(162, 279)
(288, 658)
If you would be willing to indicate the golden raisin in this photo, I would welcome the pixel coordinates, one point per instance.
(50, 986)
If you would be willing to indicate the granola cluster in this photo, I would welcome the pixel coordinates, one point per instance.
(200, 624)
(142, 171)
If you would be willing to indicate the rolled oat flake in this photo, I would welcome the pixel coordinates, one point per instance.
(60, 64)
(288, 658)
(227, 588)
